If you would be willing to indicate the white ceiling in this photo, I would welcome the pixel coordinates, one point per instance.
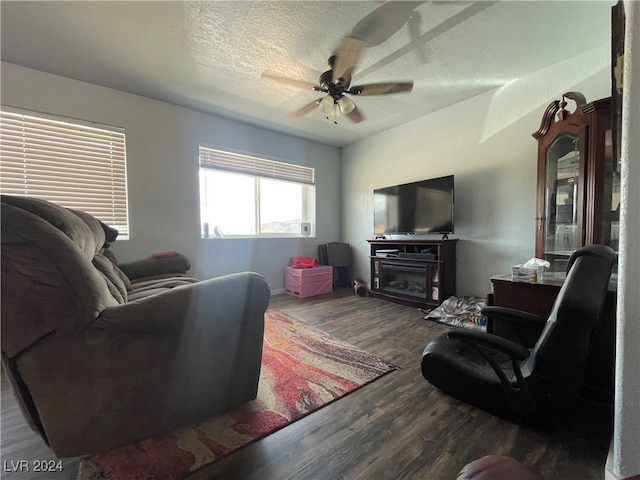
(209, 55)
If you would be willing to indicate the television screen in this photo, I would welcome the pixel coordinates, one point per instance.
(418, 207)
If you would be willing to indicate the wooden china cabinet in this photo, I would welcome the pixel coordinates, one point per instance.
(578, 193)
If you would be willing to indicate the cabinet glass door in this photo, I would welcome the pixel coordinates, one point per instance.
(611, 204)
(562, 221)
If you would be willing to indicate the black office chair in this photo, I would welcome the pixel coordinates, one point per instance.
(338, 255)
(512, 381)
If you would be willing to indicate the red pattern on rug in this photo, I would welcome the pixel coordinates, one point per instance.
(303, 369)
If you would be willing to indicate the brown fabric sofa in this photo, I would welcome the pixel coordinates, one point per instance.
(99, 360)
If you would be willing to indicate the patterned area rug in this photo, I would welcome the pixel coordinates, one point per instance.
(303, 369)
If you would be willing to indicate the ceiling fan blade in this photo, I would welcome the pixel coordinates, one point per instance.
(355, 116)
(347, 55)
(384, 21)
(291, 82)
(306, 109)
(381, 88)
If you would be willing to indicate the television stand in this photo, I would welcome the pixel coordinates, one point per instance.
(416, 272)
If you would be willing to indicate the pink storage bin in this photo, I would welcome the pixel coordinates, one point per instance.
(308, 282)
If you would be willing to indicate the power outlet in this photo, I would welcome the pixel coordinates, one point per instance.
(305, 229)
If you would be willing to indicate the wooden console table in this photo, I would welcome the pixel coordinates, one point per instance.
(538, 298)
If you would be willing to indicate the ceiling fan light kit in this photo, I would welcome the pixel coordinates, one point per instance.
(346, 105)
(333, 107)
(326, 104)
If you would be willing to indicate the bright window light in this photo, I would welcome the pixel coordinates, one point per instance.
(246, 196)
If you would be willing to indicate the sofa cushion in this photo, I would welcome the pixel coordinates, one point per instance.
(117, 281)
(152, 285)
(77, 227)
(54, 286)
(110, 233)
(60, 279)
(151, 266)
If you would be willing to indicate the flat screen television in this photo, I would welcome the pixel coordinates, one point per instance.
(423, 207)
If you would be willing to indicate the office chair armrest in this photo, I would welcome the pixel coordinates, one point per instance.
(512, 315)
(516, 389)
(515, 351)
(516, 325)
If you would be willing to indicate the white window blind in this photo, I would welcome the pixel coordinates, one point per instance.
(73, 164)
(259, 167)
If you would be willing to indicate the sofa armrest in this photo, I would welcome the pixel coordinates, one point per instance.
(155, 266)
(199, 307)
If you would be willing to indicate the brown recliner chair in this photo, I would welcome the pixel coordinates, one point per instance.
(93, 369)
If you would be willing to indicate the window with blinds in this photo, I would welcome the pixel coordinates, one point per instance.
(246, 196)
(260, 167)
(74, 164)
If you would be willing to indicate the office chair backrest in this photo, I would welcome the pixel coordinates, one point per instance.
(338, 254)
(558, 358)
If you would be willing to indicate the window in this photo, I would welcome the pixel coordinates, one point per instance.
(74, 164)
(246, 196)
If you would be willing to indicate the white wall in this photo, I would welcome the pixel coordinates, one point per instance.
(162, 162)
(624, 458)
(486, 143)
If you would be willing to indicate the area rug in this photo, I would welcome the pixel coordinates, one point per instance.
(303, 369)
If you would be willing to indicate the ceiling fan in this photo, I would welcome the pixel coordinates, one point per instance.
(336, 82)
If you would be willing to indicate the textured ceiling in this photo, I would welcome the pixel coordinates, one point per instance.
(210, 55)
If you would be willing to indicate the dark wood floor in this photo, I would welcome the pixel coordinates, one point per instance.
(398, 427)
